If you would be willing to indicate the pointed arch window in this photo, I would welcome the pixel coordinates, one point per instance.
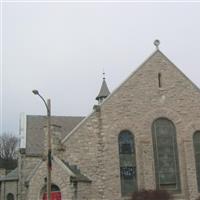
(166, 155)
(127, 163)
(196, 142)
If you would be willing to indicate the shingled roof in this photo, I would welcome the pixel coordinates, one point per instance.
(104, 91)
(79, 177)
(35, 130)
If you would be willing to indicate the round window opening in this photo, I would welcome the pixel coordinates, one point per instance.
(10, 196)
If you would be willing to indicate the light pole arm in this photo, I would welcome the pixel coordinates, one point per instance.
(47, 104)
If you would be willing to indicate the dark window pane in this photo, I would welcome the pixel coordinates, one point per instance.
(127, 163)
(54, 188)
(197, 136)
(167, 178)
(197, 148)
(196, 141)
(10, 196)
(127, 187)
(166, 156)
(126, 148)
(128, 172)
(127, 160)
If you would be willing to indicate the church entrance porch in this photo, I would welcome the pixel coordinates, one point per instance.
(55, 193)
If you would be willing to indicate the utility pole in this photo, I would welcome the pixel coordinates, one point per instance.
(49, 164)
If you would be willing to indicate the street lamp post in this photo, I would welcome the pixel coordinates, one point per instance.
(48, 107)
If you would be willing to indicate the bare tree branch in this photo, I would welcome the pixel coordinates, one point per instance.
(8, 145)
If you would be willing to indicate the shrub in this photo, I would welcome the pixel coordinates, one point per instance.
(151, 195)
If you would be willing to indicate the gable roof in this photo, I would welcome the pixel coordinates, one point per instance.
(72, 170)
(35, 130)
(110, 96)
(155, 53)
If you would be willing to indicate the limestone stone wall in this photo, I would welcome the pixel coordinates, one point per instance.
(26, 165)
(84, 191)
(134, 106)
(29, 163)
(2, 172)
(9, 187)
(82, 150)
(59, 178)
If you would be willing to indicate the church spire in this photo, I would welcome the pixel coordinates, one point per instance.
(104, 91)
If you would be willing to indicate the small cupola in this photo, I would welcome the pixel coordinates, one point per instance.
(104, 91)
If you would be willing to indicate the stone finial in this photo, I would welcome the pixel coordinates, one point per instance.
(156, 43)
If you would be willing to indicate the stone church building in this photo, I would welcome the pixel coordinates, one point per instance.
(144, 135)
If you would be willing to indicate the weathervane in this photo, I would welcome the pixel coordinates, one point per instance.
(156, 43)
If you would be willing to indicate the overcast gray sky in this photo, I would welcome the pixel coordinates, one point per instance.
(62, 48)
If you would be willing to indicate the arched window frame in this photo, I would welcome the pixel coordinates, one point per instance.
(55, 192)
(196, 145)
(127, 161)
(173, 184)
(10, 196)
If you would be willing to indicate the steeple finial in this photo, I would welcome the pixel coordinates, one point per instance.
(157, 43)
(104, 74)
(104, 91)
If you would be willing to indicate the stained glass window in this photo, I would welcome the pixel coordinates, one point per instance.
(127, 163)
(196, 142)
(166, 155)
